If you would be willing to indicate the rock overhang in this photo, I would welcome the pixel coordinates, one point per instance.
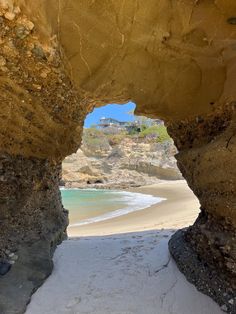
(175, 59)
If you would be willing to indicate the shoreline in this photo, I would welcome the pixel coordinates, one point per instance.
(180, 209)
(142, 201)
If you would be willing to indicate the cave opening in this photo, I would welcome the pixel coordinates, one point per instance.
(57, 63)
(120, 152)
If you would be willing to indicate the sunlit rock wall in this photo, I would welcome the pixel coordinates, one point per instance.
(174, 59)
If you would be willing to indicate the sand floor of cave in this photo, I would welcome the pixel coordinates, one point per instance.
(118, 274)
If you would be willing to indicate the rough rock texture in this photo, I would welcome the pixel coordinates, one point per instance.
(129, 163)
(207, 161)
(33, 222)
(60, 58)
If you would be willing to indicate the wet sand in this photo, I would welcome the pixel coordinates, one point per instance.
(179, 210)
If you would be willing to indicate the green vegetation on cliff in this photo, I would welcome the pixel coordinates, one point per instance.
(99, 139)
(157, 132)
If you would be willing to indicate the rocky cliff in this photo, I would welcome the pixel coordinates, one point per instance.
(130, 162)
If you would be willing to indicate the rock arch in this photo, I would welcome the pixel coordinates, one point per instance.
(59, 59)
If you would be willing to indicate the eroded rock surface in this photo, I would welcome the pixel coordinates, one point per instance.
(60, 58)
(129, 163)
(206, 159)
(33, 222)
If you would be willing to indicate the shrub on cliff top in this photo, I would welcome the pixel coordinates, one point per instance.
(159, 132)
(94, 139)
(116, 139)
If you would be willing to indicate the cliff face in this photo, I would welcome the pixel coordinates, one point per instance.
(58, 60)
(132, 162)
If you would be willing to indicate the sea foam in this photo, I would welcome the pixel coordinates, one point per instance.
(136, 201)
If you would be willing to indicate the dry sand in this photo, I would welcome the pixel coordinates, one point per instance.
(129, 273)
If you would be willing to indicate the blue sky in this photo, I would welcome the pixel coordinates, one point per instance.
(119, 112)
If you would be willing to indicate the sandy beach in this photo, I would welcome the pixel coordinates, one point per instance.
(123, 266)
(179, 210)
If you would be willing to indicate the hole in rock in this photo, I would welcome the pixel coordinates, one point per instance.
(120, 155)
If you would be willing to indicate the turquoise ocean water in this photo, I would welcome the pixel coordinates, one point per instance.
(89, 205)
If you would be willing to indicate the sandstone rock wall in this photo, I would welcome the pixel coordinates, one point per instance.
(174, 59)
(33, 222)
(206, 160)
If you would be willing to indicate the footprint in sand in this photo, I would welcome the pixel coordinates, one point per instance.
(140, 241)
(125, 241)
(73, 303)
